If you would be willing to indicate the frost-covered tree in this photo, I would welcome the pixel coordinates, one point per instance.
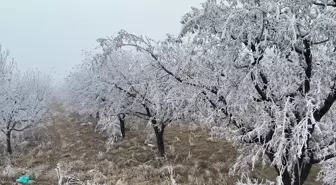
(24, 98)
(275, 60)
(90, 92)
(117, 73)
(149, 91)
(84, 94)
(119, 83)
(188, 90)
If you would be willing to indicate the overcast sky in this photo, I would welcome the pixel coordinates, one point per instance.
(51, 34)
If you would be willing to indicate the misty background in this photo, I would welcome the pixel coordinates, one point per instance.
(50, 35)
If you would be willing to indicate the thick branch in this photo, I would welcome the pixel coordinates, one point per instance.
(147, 110)
(167, 71)
(264, 80)
(259, 90)
(309, 62)
(329, 101)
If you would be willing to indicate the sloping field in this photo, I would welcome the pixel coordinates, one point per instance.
(80, 155)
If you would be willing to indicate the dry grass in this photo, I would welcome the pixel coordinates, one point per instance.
(80, 156)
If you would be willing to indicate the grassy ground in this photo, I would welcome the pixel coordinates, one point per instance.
(80, 156)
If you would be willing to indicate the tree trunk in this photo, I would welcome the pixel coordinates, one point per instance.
(9, 144)
(121, 118)
(300, 174)
(97, 117)
(159, 137)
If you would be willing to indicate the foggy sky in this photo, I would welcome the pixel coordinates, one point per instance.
(50, 34)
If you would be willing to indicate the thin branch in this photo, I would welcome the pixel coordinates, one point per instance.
(145, 117)
(22, 129)
(242, 67)
(167, 121)
(263, 27)
(320, 42)
(140, 113)
(322, 4)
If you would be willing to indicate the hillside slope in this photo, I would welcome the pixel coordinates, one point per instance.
(80, 155)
